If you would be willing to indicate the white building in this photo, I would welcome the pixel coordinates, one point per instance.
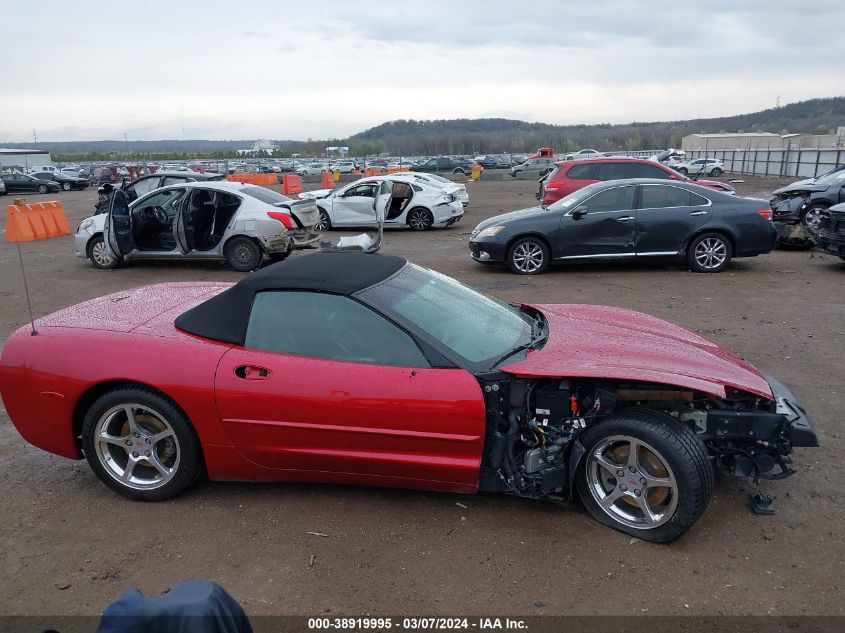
(260, 147)
(23, 159)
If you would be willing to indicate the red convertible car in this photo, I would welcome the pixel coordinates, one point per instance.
(353, 368)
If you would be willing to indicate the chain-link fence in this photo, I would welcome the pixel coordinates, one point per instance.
(789, 162)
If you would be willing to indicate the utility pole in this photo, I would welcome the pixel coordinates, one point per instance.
(34, 136)
(777, 102)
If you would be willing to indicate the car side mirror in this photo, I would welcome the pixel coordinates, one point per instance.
(579, 213)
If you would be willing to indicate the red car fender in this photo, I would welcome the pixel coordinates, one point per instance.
(72, 361)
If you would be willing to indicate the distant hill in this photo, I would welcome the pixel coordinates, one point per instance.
(465, 136)
(495, 135)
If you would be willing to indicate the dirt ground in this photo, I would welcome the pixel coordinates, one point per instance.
(69, 546)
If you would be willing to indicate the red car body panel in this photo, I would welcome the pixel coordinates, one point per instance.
(312, 420)
(344, 421)
(305, 419)
(560, 185)
(593, 341)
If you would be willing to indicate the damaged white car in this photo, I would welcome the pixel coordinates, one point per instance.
(199, 220)
(414, 203)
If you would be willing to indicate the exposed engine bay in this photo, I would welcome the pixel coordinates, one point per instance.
(535, 430)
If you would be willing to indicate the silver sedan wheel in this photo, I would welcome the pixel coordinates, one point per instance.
(528, 257)
(711, 253)
(137, 446)
(102, 254)
(632, 482)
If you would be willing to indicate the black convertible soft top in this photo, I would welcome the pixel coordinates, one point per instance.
(224, 317)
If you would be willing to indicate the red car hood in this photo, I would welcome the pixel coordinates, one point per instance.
(604, 342)
(711, 184)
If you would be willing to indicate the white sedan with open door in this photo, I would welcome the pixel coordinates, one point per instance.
(199, 220)
(419, 205)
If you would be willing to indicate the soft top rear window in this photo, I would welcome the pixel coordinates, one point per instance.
(265, 195)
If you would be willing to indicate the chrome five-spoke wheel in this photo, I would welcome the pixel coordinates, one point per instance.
(141, 444)
(632, 482)
(137, 446)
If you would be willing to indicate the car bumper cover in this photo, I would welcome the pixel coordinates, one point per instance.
(801, 431)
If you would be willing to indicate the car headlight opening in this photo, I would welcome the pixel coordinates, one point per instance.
(490, 231)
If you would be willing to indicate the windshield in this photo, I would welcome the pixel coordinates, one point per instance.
(832, 179)
(265, 195)
(480, 329)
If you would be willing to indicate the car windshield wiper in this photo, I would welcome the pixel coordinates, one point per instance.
(538, 333)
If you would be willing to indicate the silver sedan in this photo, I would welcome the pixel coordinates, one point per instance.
(199, 220)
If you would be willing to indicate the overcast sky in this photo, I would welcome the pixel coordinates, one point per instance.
(293, 70)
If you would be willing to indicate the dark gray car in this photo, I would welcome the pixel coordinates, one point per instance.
(798, 208)
(627, 219)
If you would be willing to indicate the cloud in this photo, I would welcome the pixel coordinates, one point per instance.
(328, 70)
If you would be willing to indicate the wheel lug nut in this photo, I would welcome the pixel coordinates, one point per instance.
(620, 473)
(147, 453)
(632, 469)
(637, 492)
(137, 435)
(134, 453)
(642, 480)
(129, 442)
(148, 441)
(623, 488)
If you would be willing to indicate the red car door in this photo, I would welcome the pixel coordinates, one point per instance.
(322, 419)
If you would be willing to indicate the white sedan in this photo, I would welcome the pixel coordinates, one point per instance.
(312, 169)
(698, 166)
(417, 204)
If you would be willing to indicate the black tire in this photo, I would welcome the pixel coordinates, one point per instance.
(460, 171)
(66, 186)
(675, 445)
(683, 170)
(715, 172)
(420, 219)
(98, 254)
(709, 253)
(810, 217)
(43, 189)
(325, 221)
(182, 442)
(528, 256)
(243, 254)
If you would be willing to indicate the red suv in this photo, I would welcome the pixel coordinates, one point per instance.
(570, 175)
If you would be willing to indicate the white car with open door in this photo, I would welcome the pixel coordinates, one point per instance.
(199, 220)
(419, 205)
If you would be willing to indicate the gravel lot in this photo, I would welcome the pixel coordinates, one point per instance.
(69, 546)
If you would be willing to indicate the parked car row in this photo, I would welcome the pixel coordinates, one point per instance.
(17, 182)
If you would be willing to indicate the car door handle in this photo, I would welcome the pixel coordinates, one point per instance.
(252, 372)
(625, 218)
(699, 213)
